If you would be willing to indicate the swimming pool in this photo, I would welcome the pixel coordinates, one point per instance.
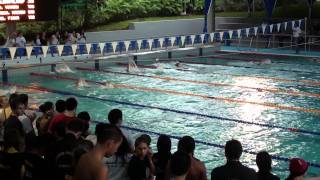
(212, 99)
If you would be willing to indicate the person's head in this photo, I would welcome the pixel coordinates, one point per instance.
(264, 162)
(59, 130)
(13, 139)
(164, 144)
(71, 104)
(20, 34)
(233, 150)
(187, 144)
(180, 164)
(76, 127)
(47, 108)
(25, 99)
(115, 117)
(38, 36)
(147, 138)
(4, 101)
(85, 117)
(60, 106)
(141, 147)
(16, 104)
(109, 137)
(298, 167)
(123, 150)
(53, 37)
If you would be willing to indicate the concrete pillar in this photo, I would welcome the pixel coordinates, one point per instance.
(96, 65)
(53, 68)
(135, 59)
(5, 78)
(211, 18)
(170, 55)
(201, 51)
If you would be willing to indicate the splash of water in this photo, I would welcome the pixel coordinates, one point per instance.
(64, 69)
(132, 67)
(9, 91)
(82, 83)
(107, 85)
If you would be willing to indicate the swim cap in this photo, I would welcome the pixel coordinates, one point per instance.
(298, 166)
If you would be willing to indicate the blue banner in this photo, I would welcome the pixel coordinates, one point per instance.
(207, 7)
(269, 5)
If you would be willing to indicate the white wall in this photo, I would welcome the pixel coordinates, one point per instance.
(146, 30)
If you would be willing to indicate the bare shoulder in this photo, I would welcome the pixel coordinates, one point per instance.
(198, 163)
(102, 173)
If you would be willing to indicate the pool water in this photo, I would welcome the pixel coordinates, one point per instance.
(254, 138)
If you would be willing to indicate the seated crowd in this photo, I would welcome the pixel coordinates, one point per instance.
(56, 144)
(46, 39)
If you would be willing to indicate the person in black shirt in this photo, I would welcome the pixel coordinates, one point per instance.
(233, 169)
(141, 162)
(17, 108)
(36, 168)
(161, 158)
(11, 158)
(180, 165)
(264, 163)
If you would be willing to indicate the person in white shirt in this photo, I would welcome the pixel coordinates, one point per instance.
(54, 40)
(81, 39)
(21, 41)
(118, 163)
(296, 35)
(37, 41)
(11, 40)
(28, 116)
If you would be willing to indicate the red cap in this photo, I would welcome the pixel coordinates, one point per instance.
(298, 166)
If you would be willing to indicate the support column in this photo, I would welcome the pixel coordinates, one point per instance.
(53, 68)
(170, 55)
(135, 59)
(201, 51)
(212, 18)
(96, 65)
(5, 78)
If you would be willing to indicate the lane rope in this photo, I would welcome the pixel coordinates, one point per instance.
(310, 82)
(66, 93)
(249, 59)
(214, 84)
(183, 60)
(224, 99)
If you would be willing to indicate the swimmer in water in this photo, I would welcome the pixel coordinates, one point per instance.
(64, 69)
(263, 61)
(10, 91)
(266, 61)
(82, 83)
(107, 85)
(132, 67)
(315, 60)
(178, 65)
